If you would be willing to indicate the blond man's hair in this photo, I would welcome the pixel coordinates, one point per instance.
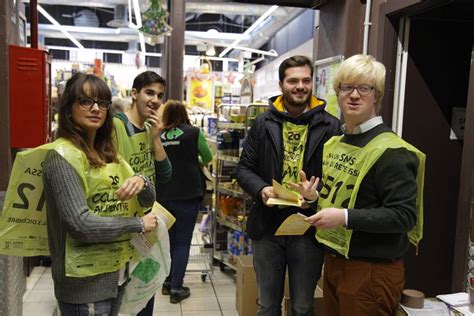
(362, 69)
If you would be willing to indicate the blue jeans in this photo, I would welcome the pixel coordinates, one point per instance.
(148, 309)
(109, 307)
(304, 259)
(181, 234)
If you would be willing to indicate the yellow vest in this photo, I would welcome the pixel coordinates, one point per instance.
(137, 150)
(294, 143)
(23, 230)
(344, 168)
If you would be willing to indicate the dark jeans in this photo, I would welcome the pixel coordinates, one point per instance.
(148, 310)
(181, 234)
(109, 307)
(304, 259)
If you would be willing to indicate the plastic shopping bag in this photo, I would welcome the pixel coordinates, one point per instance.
(149, 273)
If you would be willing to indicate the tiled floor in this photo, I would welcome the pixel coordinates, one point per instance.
(214, 297)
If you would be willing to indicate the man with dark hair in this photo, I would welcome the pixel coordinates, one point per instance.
(133, 134)
(139, 142)
(282, 142)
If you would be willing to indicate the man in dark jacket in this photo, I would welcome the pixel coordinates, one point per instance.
(283, 141)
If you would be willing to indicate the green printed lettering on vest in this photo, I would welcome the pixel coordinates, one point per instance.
(294, 143)
(85, 259)
(137, 150)
(344, 169)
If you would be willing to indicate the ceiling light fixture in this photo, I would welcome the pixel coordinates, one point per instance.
(211, 51)
(249, 30)
(120, 17)
(59, 26)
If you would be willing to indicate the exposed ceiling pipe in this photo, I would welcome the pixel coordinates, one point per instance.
(192, 6)
(367, 23)
(262, 35)
(59, 26)
(232, 8)
(250, 29)
(128, 34)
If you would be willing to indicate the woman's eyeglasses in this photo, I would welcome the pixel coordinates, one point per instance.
(88, 103)
(363, 89)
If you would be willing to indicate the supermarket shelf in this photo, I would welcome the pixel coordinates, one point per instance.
(229, 224)
(230, 125)
(223, 258)
(228, 158)
(234, 193)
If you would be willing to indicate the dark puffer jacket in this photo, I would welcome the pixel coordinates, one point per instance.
(262, 159)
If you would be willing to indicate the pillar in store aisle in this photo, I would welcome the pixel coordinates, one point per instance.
(174, 50)
(12, 279)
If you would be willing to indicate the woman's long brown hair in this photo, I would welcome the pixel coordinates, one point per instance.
(103, 142)
(174, 114)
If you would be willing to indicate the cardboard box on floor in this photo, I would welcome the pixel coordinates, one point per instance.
(318, 304)
(247, 293)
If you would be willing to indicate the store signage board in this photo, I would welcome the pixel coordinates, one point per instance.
(200, 89)
(458, 120)
(246, 90)
(324, 72)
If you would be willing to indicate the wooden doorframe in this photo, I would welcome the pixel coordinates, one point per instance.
(466, 192)
(390, 13)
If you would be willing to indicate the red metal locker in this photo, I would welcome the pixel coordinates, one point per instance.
(30, 97)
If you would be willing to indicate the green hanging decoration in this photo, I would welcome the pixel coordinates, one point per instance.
(154, 23)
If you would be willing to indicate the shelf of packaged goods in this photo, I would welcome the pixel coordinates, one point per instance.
(229, 125)
(235, 193)
(229, 224)
(228, 158)
(223, 258)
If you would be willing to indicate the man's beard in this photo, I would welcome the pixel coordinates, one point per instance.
(290, 100)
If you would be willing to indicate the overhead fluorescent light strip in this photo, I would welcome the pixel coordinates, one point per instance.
(250, 29)
(138, 18)
(130, 23)
(59, 26)
(271, 52)
(114, 51)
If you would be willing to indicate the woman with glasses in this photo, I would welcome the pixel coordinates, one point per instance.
(91, 197)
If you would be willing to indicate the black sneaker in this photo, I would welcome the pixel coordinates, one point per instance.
(166, 288)
(177, 296)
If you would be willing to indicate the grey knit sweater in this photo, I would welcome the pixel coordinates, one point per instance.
(67, 211)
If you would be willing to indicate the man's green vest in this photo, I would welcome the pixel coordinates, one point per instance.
(294, 144)
(344, 168)
(137, 150)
